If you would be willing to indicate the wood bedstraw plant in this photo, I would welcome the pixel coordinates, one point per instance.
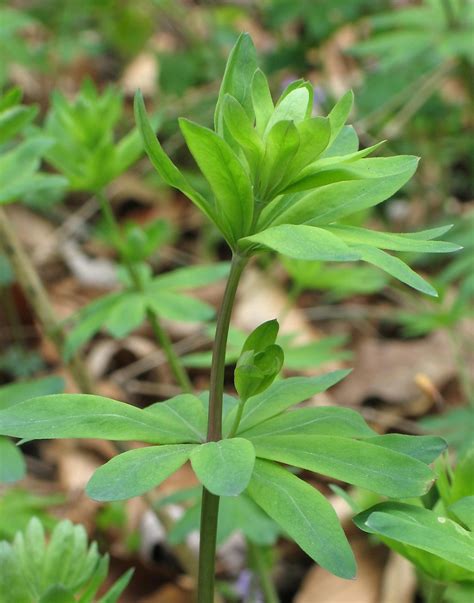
(279, 180)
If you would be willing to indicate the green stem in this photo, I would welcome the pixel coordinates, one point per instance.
(210, 502)
(256, 553)
(159, 333)
(435, 592)
(238, 417)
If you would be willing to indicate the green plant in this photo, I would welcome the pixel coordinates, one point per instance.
(18, 506)
(280, 185)
(64, 569)
(434, 532)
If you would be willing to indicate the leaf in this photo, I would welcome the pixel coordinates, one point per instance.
(80, 416)
(358, 186)
(190, 277)
(356, 462)
(261, 337)
(14, 119)
(420, 528)
(423, 448)
(262, 101)
(17, 392)
(12, 466)
(281, 146)
(225, 467)
(227, 177)
(126, 315)
(305, 514)
(303, 243)
(321, 420)
(292, 108)
(240, 68)
(163, 164)
(392, 241)
(339, 114)
(280, 396)
(135, 472)
(395, 267)
(255, 372)
(242, 131)
(463, 509)
(182, 416)
(113, 594)
(314, 136)
(57, 594)
(179, 307)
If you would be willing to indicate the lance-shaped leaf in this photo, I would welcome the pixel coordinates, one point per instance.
(163, 164)
(305, 514)
(463, 509)
(135, 472)
(420, 528)
(262, 101)
(242, 131)
(226, 175)
(339, 114)
(314, 136)
(126, 314)
(321, 420)
(81, 416)
(302, 243)
(179, 307)
(18, 392)
(392, 241)
(12, 465)
(292, 107)
(189, 277)
(182, 416)
(423, 448)
(240, 68)
(225, 467)
(280, 396)
(395, 267)
(356, 462)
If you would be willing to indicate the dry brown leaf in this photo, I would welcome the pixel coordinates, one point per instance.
(322, 586)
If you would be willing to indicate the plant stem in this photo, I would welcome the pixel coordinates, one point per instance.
(159, 333)
(238, 417)
(210, 502)
(38, 299)
(435, 592)
(256, 553)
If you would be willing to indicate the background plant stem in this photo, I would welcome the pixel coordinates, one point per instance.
(257, 557)
(38, 299)
(159, 333)
(210, 502)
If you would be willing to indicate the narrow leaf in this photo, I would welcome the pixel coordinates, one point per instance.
(135, 472)
(183, 416)
(356, 462)
(423, 448)
(305, 514)
(339, 114)
(262, 101)
(12, 465)
(303, 243)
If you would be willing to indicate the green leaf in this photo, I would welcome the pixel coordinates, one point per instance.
(255, 372)
(242, 131)
(126, 315)
(293, 107)
(392, 241)
(80, 416)
(57, 594)
(395, 267)
(280, 396)
(281, 146)
(226, 175)
(135, 472)
(314, 136)
(240, 68)
(17, 392)
(359, 463)
(179, 307)
(349, 189)
(190, 277)
(303, 243)
(12, 466)
(339, 114)
(225, 467)
(420, 528)
(305, 514)
(182, 416)
(262, 101)
(423, 448)
(320, 420)
(163, 164)
(262, 336)
(14, 119)
(463, 509)
(113, 594)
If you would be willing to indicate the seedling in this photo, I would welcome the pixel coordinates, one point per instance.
(64, 569)
(278, 180)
